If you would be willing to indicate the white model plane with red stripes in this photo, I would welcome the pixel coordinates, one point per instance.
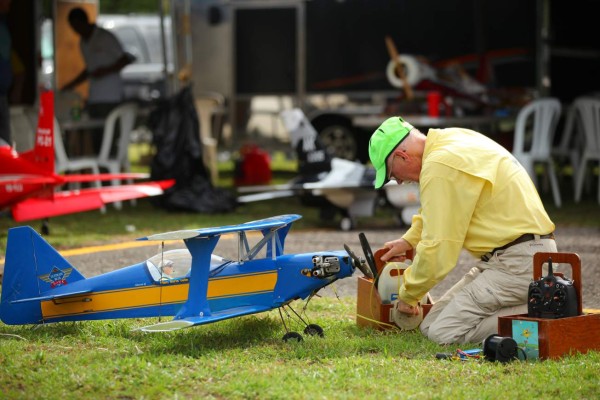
(30, 189)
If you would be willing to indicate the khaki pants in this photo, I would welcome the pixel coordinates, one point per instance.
(469, 311)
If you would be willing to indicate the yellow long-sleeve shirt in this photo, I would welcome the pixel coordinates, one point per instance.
(474, 195)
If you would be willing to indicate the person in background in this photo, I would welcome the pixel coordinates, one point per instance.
(474, 195)
(104, 57)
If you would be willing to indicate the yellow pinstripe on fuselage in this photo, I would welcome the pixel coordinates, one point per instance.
(175, 291)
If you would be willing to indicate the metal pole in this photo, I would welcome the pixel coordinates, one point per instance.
(163, 39)
(301, 54)
(543, 81)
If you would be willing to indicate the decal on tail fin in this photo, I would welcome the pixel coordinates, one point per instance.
(32, 269)
(42, 153)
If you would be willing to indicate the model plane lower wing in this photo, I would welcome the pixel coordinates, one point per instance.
(24, 179)
(200, 320)
(249, 198)
(74, 201)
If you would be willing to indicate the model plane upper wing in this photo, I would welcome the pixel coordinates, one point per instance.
(57, 180)
(82, 178)
(258, 225)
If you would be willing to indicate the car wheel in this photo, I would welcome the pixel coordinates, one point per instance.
(339, 140)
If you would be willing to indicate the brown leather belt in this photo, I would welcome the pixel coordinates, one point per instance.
(521, 239)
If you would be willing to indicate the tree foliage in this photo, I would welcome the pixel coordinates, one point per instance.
(129, 6)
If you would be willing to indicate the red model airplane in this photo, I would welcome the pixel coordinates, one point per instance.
(29, 187)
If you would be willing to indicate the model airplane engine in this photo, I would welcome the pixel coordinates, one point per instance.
(324, 266)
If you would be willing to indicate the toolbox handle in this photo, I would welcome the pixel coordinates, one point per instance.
(381, 264)
(561, 258)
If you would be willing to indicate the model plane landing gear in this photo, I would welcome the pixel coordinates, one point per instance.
(347, 224)
(45, 227)
(310, 329)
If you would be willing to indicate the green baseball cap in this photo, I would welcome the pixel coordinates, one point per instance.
(383, 142)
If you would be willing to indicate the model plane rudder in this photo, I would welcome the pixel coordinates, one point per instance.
(32, 269)
(42, 154)
(313, 156)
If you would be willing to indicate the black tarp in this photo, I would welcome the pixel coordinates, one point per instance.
(175, 127)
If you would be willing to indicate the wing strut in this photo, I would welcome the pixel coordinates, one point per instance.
(197, 303)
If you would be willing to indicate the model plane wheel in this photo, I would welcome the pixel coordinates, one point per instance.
(292, 336)
(45, 228)
(314, 330)
(346, 224)
(368, 253)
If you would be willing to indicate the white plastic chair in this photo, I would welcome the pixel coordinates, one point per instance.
(22, 127)
(209, 107)
(544, 114)
(588, 109)
(571, 141)
(64, 163)
(125, 116)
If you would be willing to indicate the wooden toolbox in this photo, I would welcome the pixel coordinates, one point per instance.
(370, 311)
(552, 338)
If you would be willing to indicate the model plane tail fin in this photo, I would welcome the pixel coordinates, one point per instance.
(32, 269)
(313, 156)
(42, 153)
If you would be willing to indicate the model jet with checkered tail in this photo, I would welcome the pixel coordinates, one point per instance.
(40, 286)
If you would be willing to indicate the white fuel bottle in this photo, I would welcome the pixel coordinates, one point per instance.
(390, 280)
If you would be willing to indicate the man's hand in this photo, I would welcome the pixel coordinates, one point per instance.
(396, 250)
(407, 308)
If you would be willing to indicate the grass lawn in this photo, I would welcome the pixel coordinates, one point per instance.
(245, 358)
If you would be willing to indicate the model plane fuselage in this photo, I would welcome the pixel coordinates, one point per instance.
(19, 178)
(131, 292)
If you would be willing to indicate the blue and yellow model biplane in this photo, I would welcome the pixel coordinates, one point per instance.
(192, 284)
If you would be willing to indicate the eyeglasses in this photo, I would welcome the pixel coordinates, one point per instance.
(390, 172)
